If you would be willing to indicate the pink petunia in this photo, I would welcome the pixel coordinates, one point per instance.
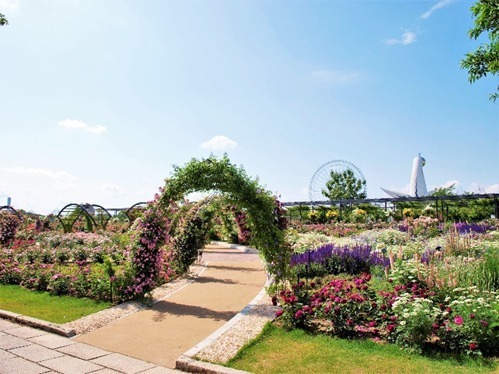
(458, 320)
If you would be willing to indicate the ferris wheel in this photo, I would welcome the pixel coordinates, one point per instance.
(323, 174)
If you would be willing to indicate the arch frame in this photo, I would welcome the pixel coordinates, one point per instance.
(263, 209)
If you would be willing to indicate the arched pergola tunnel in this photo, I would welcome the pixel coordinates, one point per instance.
(263, 210)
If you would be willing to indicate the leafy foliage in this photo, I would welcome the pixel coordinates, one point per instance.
(486, 57)
(3, 20)
(344, 186)
(151, 232)
(8, 227)
(190, 236)
(264, 213)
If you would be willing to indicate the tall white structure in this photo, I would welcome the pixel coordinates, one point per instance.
(418, 184)
(417, 188)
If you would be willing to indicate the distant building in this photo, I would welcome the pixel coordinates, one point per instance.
(417, 187)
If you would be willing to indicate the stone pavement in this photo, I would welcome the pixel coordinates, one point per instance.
(26, 350)
(148, 341)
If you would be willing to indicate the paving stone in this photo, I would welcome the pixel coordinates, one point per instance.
(51, 341)
(5, 355)
(25, 332)
(70, 365)
(36, 353)
(10, 342)
(19, 365)
(107, 371)
(123, 363)
(83, 351)
(6, 325)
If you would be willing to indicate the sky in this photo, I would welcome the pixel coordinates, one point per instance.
(99, 99)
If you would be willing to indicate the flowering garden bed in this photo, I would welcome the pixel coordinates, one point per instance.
(424, 287)
(101, 266)
(418, 284)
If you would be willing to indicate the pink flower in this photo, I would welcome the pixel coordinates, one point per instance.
(279, 313)
(390, 327)
(458, 320)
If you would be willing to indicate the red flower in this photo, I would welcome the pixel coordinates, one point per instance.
(472, 315)
(473, 346)
(279, 313)
(484, 323)
(436, 326)
(390, 327)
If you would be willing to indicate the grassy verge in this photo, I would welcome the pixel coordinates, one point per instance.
(280, 351)
(42, 305)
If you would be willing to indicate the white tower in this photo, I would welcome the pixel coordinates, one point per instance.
(418, 185)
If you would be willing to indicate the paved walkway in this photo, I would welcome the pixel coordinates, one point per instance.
(25, 350)
(148, 341)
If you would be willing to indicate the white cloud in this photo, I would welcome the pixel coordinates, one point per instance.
(112, 189)
(477, 188)
(454, 183)
(407, 38)
(335, 76)
(435, 7)
(447, 184)
(39, 172)
(75, 124)
(10, 4)
(219, 143)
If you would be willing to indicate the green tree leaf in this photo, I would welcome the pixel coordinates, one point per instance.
(344, 186)
(485, 59)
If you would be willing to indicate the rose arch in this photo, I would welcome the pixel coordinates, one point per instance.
(213, 174)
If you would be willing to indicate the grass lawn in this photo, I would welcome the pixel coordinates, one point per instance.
(280, 351)
(42, 305)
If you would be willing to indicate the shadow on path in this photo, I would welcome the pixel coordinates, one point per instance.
(165, 308)
(235, 268)
(205, 279)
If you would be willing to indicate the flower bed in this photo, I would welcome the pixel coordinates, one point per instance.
(420, 291)
(78, 264)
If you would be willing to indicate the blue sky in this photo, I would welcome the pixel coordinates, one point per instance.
(99, 99)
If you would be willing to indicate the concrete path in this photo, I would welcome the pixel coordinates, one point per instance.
(161, 334)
